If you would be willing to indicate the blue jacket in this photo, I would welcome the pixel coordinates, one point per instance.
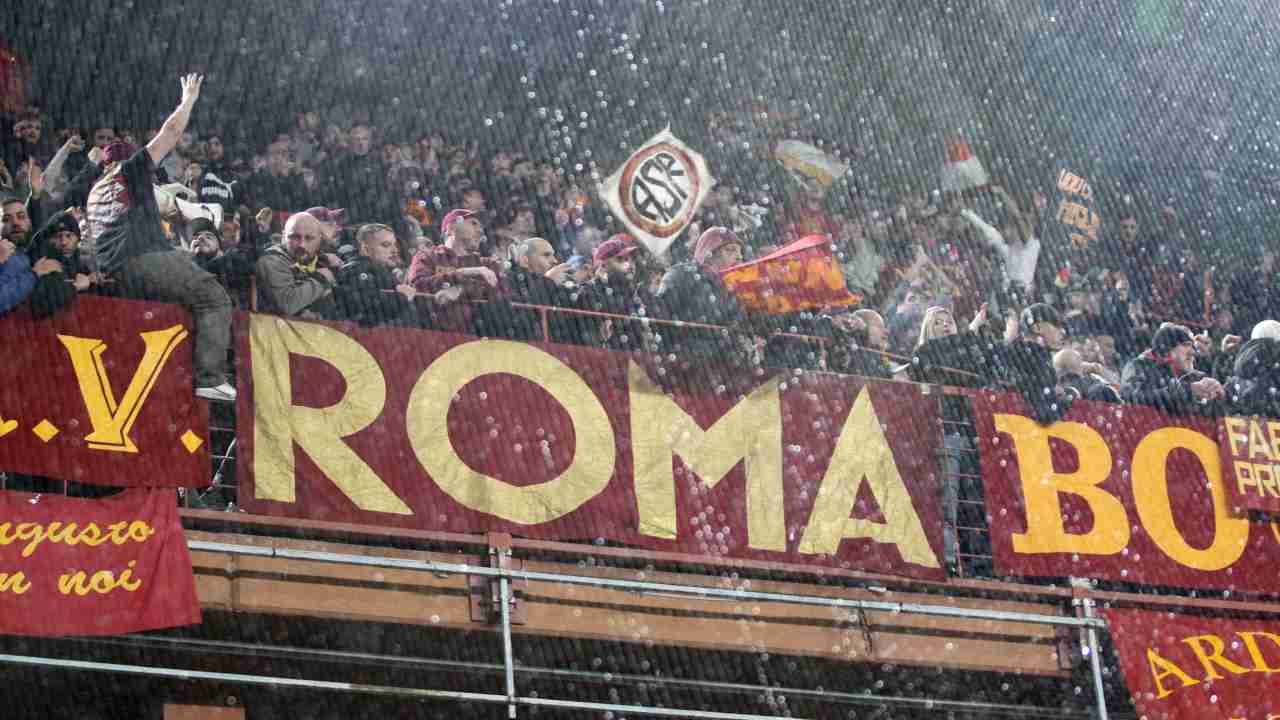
(16, 281)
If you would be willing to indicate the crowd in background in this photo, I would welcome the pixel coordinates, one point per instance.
(430, 230)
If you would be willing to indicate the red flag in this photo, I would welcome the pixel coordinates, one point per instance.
(72, 566)
(803, 275)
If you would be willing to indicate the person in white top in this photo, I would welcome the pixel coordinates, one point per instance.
(1018, 247)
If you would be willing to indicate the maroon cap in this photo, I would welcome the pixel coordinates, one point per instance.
(616, 246)
(118, 151)
(324, 214)
(713, 239)
(454, 216)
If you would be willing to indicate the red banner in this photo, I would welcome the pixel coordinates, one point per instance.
(71, 566)
(1180, 667)
(447, 432)
(801, 276)
(102, 393)
(1120, 493)
(1251, 462)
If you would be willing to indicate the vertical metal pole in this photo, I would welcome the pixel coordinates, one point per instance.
(508, 657)
(1095, 660)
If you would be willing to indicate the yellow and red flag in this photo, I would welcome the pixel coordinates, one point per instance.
(803, 275)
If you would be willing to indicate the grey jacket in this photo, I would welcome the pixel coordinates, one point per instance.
(286, 289)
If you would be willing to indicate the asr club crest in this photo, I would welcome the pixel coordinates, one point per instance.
(658, 190)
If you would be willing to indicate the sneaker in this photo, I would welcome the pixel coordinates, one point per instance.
(217, 393)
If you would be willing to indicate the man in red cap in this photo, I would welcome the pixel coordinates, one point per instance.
(613, 290)
(455, 273)
(693, 291)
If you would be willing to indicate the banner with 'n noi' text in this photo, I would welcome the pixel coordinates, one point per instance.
(102, 393)
(1121, 493)
(73, 566)
(434, 431)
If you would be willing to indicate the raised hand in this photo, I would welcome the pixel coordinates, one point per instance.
(191, 87)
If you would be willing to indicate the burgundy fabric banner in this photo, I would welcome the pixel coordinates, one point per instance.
(1180, 667)
(447, 432)
(1120, 493)
(102, 393)
(1251, 462)
(70, 566)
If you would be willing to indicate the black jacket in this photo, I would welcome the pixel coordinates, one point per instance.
(692, 294)
(1147, 381)
(1090, 388)
(53, 291)
(1028, 368)
(1254, 387)
(366, 294)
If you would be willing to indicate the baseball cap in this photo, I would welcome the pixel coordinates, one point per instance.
(203, 225)
(713, 239)
(454, 216)
(324, 214)
(618, 245)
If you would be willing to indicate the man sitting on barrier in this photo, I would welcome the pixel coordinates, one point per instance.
(131, 247)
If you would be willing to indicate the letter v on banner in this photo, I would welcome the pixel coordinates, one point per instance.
(112, 419)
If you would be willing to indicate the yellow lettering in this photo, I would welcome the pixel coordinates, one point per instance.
(279, 424)
(1161, 669)
(140, 531)
(426, 425)
(64, 534)
(1273, 434)
(1255, 652)
(39, 535)
(862, 452)
(111, 420)
(1213, 656)
(7, 535)
(15, 583)
(116, 532)
(101, 582)
(1151, 499)
(1042, 487)
(1258, 445)
(750, 433)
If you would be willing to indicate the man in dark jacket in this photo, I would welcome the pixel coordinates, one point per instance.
(693, 292)
(1079, 376)
(59, 240)
(614, 290)
(218, 250)
(1254, 387)
(1026, 364)
(539, 278)
(368, 292)
(1164, 376)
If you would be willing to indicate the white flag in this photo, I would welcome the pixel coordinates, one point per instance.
(657, 190)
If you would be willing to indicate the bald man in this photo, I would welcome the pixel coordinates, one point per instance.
(1073, 372)
(292, 276)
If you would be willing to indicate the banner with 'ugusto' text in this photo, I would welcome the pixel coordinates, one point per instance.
(73, 566)
(102, 393)
(435, 431)
(1122, 493)
(1182, 667)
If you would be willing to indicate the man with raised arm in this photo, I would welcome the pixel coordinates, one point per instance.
(132, 248)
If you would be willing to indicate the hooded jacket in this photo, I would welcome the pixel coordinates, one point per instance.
(1254, 387)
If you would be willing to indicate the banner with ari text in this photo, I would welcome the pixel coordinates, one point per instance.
(1183, 667)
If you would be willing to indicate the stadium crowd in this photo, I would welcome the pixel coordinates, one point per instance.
(428, 231)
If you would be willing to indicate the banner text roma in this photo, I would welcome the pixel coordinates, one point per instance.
(445, 432)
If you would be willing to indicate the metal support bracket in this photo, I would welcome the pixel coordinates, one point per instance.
(486, 595)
